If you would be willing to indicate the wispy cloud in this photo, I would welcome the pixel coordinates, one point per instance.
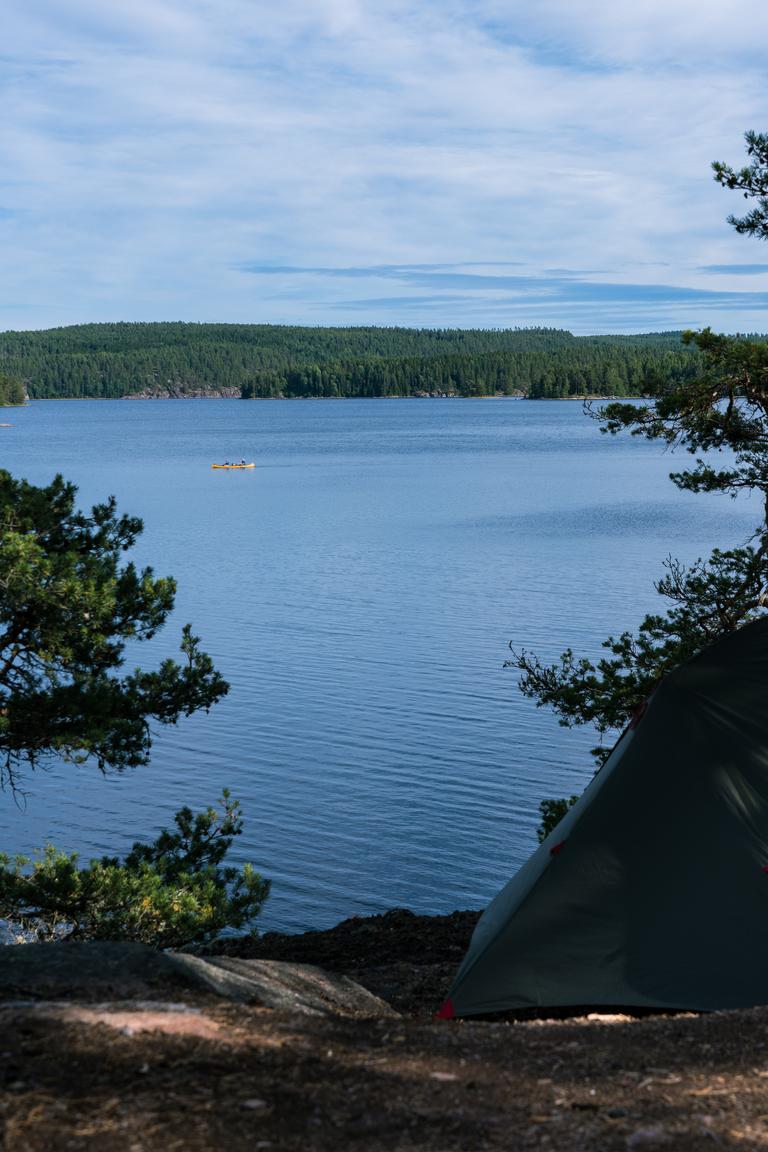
(153, 153)
(736, 269)
(561, 296)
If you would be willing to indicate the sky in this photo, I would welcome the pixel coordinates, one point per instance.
(467, 163)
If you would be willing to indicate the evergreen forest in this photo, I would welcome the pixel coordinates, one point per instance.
(265, 360)
(11, 390)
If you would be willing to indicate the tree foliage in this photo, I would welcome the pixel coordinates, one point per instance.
(709, 599)
(11, 390)
(69, 605)
(262, 360)
(552, 812)
(752, 182)
(173, 891)
(723, 408)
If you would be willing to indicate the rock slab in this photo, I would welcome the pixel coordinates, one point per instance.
(96, 971)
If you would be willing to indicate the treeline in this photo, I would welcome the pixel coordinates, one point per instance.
(11, 390)
(563, 372)
(259, 360)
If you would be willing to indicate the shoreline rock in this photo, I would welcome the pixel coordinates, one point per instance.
(170, 393)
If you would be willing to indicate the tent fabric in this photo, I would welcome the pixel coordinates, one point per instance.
(652, 891)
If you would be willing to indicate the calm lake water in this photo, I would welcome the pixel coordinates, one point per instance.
(359, 590)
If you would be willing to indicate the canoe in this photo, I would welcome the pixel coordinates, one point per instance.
(233, 465)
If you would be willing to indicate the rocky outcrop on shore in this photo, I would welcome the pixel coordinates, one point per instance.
(405, 959)
(171, 392)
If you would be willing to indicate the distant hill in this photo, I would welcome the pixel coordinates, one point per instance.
(263, 360)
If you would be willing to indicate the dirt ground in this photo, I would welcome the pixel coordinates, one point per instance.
(215, 1075)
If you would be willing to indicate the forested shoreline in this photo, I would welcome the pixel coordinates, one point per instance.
(261, 360)
(11, 391)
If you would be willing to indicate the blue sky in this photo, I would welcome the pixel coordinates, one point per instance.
(451, 162)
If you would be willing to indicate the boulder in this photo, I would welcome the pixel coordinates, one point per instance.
(282, 985)
(99, 971)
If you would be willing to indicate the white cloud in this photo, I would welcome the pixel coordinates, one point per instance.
(650, 35)
(149, 148)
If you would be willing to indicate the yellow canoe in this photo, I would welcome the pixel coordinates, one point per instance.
(233, 465)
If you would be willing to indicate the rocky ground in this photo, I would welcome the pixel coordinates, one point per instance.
(109, 1055)
(407, 960)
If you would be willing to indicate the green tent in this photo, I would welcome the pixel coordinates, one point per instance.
(653, 890)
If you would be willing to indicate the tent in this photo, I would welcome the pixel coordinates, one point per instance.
(652, 892)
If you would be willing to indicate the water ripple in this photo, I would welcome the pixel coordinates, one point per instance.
(359, 590)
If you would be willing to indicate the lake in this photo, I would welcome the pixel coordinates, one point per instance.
(359, 589)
